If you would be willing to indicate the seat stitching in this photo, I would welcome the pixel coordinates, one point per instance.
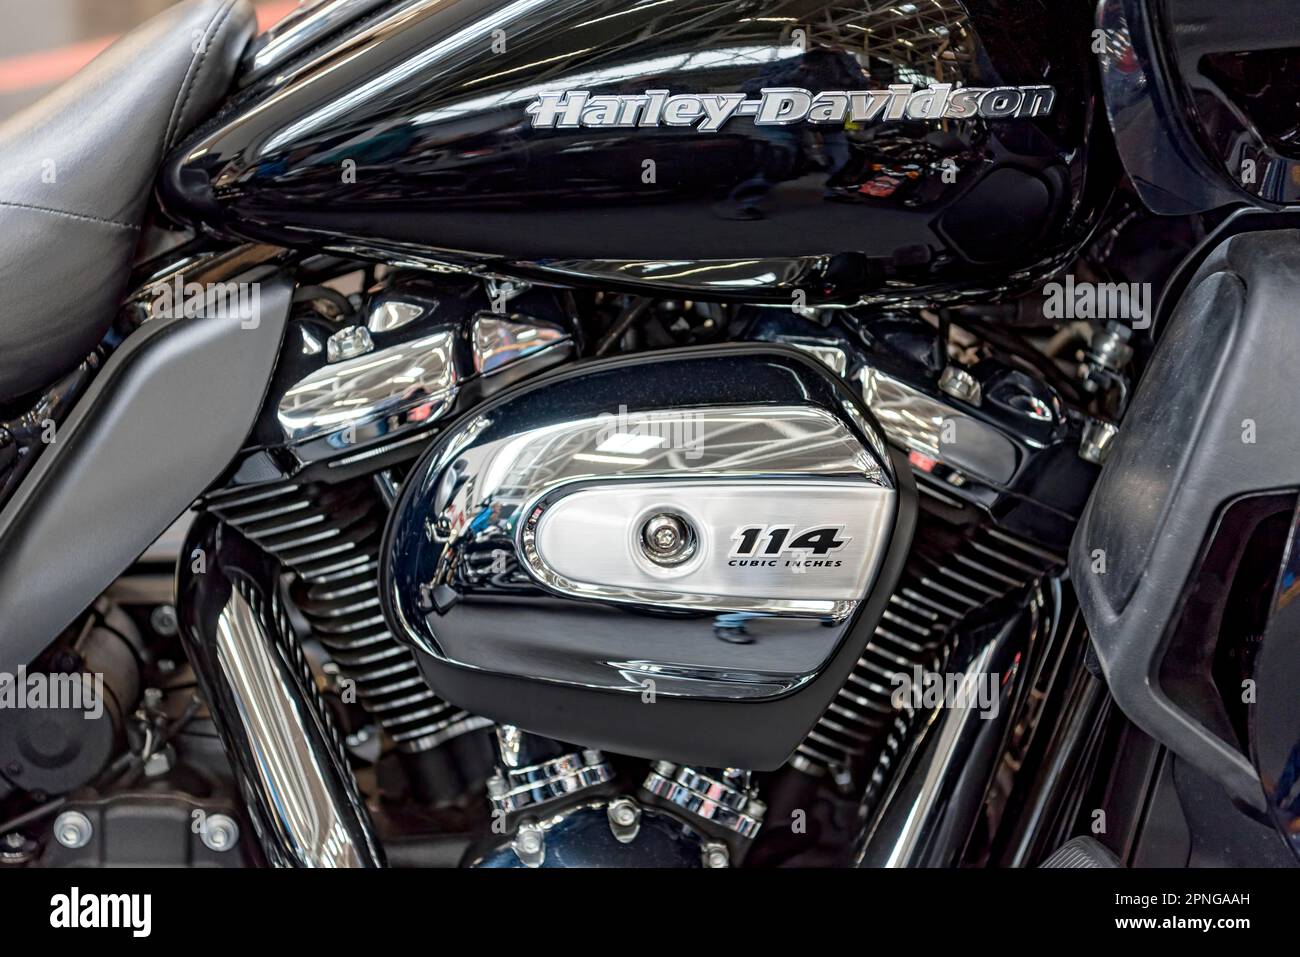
(195, 68)
(64, 212)
(191, 73)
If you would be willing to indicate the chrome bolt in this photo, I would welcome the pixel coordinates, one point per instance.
(16, 849)
(1097, 441)
(501, 291)
(716, 855)
(163, 620)
(348, 343)
(623, 813)
(667, 539)
(73, 829)
(960, 384)
(219, 832)
(529, 844)
(624, 819)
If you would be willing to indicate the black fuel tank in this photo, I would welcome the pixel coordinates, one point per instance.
(739, 150)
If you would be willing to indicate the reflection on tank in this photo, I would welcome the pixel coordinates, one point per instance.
(443, 162)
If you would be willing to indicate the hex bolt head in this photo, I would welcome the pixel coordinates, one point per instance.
(163, 620)
(960, 384)
(72, 829)
(530, 844)
(219, 832)
(716, 855)
(348, 343)
(667, 539)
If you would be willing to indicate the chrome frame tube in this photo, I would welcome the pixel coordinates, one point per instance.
(297, 786)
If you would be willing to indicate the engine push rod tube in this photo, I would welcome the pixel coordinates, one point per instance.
(298, 789)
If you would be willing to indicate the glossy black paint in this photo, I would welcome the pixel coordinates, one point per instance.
(453, 302)
(1171, 174)
(1237, 80)
(429, 114)
(1202, 101)
(581, 837)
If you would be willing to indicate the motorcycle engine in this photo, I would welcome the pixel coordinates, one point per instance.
(525, 576)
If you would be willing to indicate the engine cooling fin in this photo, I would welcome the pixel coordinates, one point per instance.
(329, 537)
(953, 574)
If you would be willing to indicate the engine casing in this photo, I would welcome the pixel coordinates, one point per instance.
(677, 555)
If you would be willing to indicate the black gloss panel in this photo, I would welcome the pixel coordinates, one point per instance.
(409, 137)
(1235, 68)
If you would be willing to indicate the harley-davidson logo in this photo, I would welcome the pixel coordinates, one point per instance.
(781, 106)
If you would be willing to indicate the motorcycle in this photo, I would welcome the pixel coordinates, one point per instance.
(569, 433)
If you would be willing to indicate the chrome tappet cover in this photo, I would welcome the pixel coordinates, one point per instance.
(702, 524)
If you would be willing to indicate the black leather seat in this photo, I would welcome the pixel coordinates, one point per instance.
(76, 171)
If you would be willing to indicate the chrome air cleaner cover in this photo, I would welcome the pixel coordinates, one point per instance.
(616, 553)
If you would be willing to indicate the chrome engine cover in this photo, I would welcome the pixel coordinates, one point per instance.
(697, 528)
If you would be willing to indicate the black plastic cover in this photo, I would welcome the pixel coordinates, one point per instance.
(1214, 420)
(157, 426)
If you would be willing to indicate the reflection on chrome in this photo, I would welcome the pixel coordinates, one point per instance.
(688, 460)
(926, 425)
(370, 396)
(316, 822)
(500, 340)
(391, 314)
